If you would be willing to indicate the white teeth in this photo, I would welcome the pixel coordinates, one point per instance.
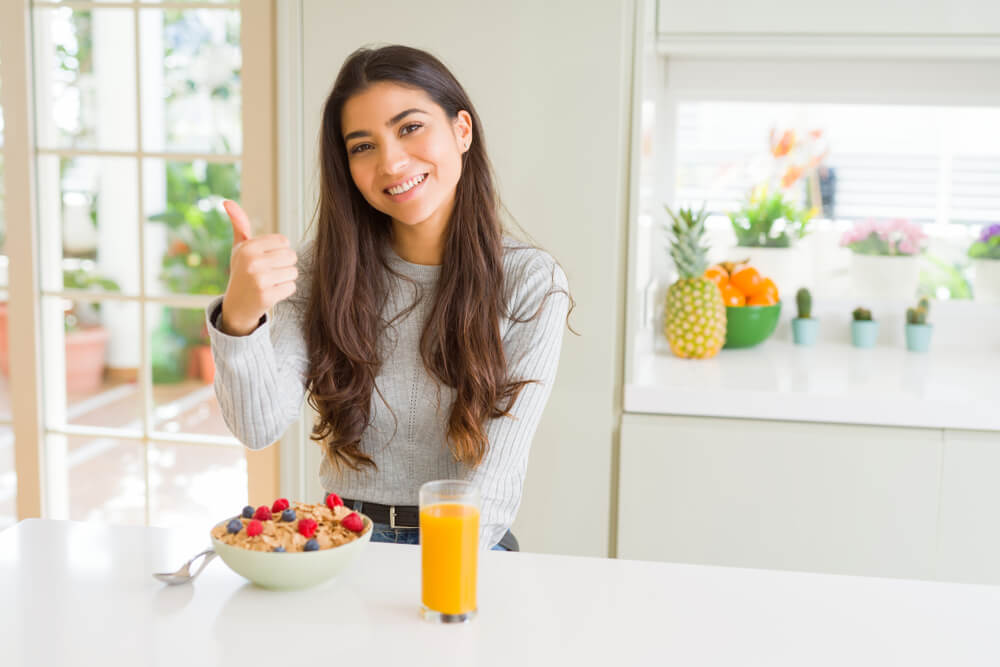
(400, 189)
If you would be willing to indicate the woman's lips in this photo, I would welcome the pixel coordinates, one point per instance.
(409, 194)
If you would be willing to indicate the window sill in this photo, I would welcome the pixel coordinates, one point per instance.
(833, 382)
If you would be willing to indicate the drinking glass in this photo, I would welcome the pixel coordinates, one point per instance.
(449, 550)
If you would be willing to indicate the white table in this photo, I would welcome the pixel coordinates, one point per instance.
(81, 594)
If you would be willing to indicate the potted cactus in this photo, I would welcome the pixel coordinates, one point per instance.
(805, 328)
(864, 330)
(918, 331)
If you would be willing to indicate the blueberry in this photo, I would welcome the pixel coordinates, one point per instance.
(288, 515)
(234, 526)
(248, 512)
(279, 549)
(312, 545)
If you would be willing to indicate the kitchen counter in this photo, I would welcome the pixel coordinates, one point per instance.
(81, 593)
(949, 387)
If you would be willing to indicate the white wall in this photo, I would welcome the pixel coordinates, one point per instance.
(552, 84)
(820, 17)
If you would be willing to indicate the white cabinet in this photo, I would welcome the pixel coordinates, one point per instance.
(781, 495)
(824, 18)
(970, 508)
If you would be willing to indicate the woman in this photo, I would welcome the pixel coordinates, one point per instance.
(426, 339)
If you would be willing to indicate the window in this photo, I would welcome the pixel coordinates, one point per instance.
(138, 118)
(903, 139)
(929, 164)
(938, 166)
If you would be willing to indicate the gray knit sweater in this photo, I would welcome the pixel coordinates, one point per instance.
(260, 379)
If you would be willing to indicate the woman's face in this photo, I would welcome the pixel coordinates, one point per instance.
(405, 154)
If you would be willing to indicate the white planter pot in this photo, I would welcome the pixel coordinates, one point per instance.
(789, 268)
(884, 277)
(986, 280)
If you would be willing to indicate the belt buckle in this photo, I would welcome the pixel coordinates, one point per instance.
(392, 518)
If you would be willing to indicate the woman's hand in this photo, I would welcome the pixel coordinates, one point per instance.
(262, 272)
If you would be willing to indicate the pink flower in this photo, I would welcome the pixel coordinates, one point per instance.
(907, 247)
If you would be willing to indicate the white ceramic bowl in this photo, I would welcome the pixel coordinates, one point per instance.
(296, 570)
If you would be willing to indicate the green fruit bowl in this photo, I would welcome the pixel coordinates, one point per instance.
(296, 570)
(747, 326)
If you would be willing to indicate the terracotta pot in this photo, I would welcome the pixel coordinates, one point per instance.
(85, 349)
(205, 363)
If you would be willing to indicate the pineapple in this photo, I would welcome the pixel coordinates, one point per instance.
(695, 313)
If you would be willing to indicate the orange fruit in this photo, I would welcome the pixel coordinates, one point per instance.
(767, 286)
(717, 275)
(746, 279)
(732, 296)
(763, 299)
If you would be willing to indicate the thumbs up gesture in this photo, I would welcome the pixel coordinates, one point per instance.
(262, 272)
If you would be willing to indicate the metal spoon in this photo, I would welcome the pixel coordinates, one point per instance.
(184, 575)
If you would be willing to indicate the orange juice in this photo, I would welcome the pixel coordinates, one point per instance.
(449, 543)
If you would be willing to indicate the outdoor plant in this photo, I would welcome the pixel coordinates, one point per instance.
(862, 315)
(919, 314)
(769, 220)
(987, 246)
(884, 237)
(803, 300)
(199, 238)
(85, 314)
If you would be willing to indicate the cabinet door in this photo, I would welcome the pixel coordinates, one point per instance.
(826, 498)
(970, 508)
(844, 18)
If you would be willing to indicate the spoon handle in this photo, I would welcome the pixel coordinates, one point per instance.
(209, 555)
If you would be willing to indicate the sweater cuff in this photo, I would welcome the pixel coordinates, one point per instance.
(225, 344)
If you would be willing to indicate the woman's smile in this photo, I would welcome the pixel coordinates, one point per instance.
(407, 189)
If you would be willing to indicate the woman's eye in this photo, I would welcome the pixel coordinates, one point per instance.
(359, 148)
(407, 128)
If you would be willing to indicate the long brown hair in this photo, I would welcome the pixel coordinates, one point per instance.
(461, 343)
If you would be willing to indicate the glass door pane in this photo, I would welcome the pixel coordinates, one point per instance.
(192, 100)
(207, 482)
(85, 78)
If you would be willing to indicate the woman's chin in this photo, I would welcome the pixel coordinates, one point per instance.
(410, 219)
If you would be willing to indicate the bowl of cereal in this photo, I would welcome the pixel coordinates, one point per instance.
(290, 546)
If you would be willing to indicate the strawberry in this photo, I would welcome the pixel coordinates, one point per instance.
(280, 505)
(307, 527)
(262, 513)
(254, 528)
(353, 522)
(333, 500)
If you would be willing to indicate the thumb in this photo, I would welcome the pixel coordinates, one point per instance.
(241, 223)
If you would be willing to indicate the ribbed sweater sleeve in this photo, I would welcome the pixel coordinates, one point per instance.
(260, 377)
(532, 349)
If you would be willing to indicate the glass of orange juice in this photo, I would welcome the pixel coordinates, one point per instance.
(449, 550)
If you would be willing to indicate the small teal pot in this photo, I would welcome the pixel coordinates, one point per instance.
(805, 330)
(918, 337)
(864, 333)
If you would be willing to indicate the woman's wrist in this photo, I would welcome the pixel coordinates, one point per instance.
(235, 328)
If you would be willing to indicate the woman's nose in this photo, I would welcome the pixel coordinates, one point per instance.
(393, 160)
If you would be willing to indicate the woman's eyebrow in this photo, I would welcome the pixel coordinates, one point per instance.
(389, 123)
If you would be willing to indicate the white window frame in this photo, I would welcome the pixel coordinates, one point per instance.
(41, 489)
(861, 69)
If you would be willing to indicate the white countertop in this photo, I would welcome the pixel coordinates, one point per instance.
(80, 593)
(948, 387)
